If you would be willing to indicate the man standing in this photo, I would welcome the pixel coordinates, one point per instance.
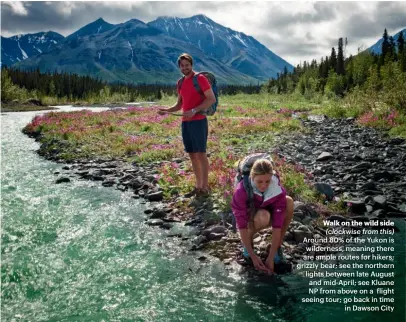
(194, 124)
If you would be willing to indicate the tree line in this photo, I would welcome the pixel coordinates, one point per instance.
(73, 87)
(337, 75)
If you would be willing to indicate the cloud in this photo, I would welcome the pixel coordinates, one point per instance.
(296, 31)
(362, 25)
(17, 8)
(284, 15)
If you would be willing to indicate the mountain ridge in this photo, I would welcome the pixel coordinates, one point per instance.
(148, 52)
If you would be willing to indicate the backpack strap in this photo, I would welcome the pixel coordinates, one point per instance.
(197, 86)
(180, 82)
(233, 224)
(250, 193)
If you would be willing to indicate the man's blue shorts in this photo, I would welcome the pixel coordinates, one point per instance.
(194, 135)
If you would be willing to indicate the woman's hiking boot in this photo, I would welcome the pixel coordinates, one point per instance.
(246, 256)
(279, 257)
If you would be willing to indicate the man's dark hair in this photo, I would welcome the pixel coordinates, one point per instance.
(185, 57)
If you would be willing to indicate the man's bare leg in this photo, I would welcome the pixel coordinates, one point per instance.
(204, 169)
(196, 169)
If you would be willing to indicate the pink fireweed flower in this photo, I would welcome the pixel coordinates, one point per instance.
(160, 146)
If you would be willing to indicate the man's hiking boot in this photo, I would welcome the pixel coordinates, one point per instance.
(191, 193)
(204, 193)
(198, 192)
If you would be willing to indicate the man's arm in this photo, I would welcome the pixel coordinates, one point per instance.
(176, 107)
(209, 100)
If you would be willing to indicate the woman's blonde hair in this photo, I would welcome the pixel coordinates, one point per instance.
(261, 167)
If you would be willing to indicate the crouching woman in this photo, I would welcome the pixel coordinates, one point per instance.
(270, 206)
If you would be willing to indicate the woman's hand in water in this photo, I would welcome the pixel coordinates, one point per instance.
(258, 264)
(270, 265)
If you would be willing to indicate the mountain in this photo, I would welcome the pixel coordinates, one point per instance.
(137, 52)
(132, 52)
(94, 28)
(18, 48)
(234, 49)
(377, 47)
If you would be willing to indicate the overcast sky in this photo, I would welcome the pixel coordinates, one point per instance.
(296, 31)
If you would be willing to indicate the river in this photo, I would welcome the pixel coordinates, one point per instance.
(79, 251)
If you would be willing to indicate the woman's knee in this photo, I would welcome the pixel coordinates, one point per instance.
(289, 205)
(262, 219)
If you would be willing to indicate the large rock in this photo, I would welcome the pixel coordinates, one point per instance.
(156, 196)
(215, 236)
(324, 156)
(306, 210)
(216, 230)
(325, 189)
(155, 222)
(158, 214)
(360, 167)
(62, 180)
(371, 185)
(379, 202)
(299, 235)
(356, 206)
(337, 217)
(135, 183)
(108, 183)
(167, 225)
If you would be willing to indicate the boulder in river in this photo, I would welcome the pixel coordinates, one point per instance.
(62, 180)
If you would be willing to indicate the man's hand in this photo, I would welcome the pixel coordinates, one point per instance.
(162, 111)
(189, 114)
(258, 264)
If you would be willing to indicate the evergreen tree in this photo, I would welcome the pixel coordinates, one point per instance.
(392, 48)
(321, 67)
(402, 52)
(326, 67)
(340, 58)
(333, 60)
(401, 43)
(385, 46)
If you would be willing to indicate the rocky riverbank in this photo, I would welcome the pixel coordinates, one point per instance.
(25, 106)
(364, 166)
